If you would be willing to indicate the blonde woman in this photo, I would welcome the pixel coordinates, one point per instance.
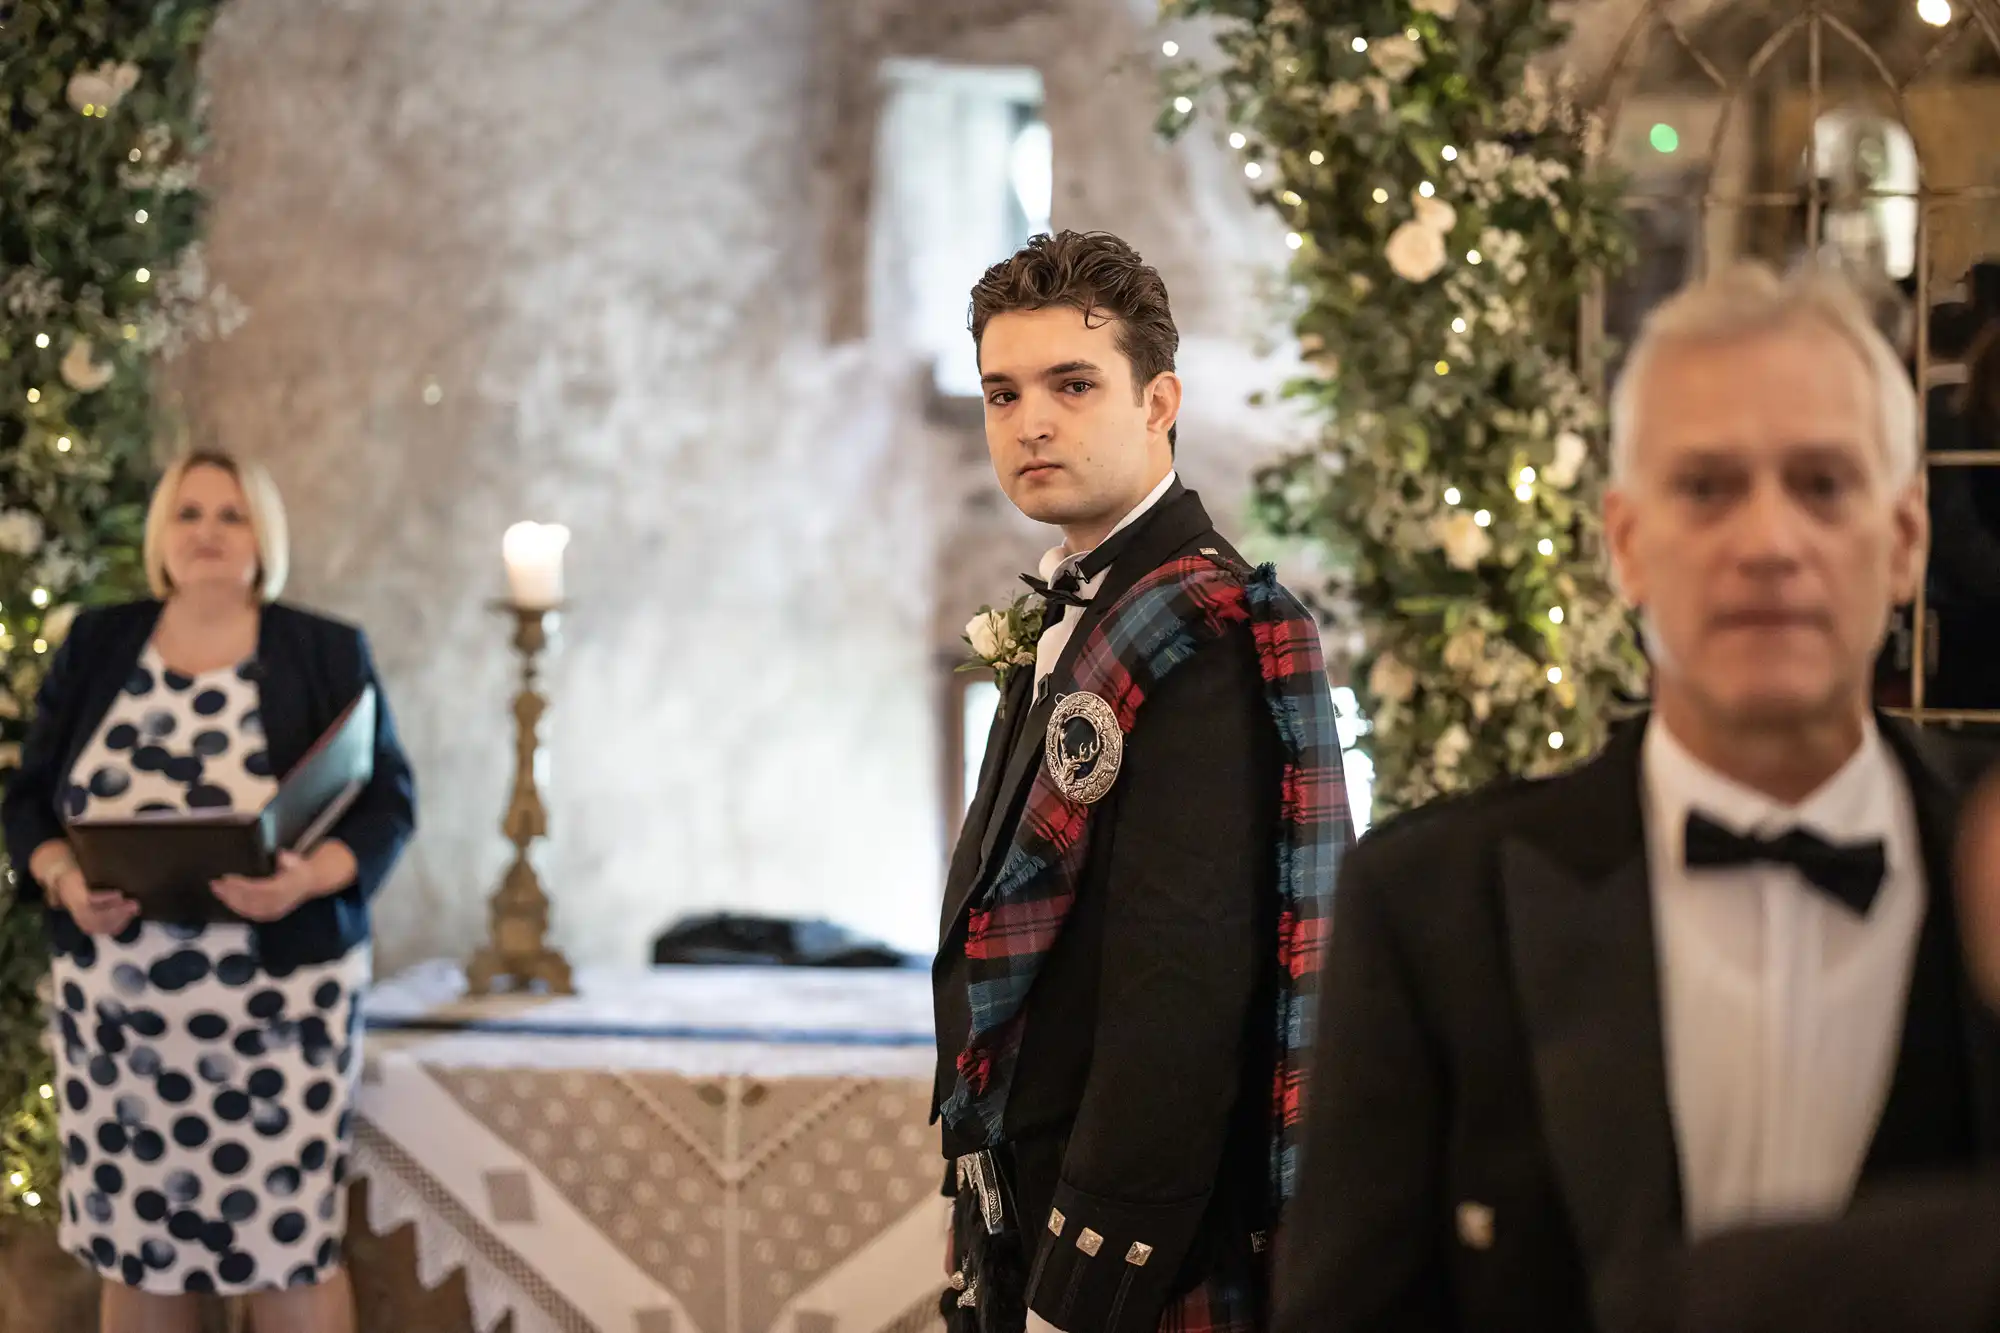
(205, 1073)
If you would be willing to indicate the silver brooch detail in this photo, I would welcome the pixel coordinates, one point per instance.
(1084, 748)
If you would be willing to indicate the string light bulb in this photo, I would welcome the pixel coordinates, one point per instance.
(1448, 153)
(1316, 157)
(1170, 49)
(1294, 240)
(1458, 325)
(142, 217)
(1292, 198)
(1555, 675)
(1451, 496)
(41, 645)
(1427, 189)
(1183, 104)
(41, 340)
(1527, 476)
(1473, 257)
(1381, 195)
(40, 597)
(1252, 170)
(1237, 140)
(1524, 492)
(17, 1180)
(1937, 13)
(1444, 367)
(134, 155)
(144, 275)
(62, 444)
(34, 395)
(48, 1093)
(1545, 546)
(1555, 615)
(1484, 518)
(32, 1199)
(1360, 45)
(1413, 34)
(1555, 740)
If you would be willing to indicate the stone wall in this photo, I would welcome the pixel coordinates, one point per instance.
(626, 243)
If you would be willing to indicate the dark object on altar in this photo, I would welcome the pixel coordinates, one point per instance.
(723, 939)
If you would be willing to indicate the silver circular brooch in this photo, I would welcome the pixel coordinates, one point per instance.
(1084, 748)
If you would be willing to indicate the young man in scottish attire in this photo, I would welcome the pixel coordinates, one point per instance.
(1135, 906)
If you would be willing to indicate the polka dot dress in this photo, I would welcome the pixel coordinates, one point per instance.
(204, 1103)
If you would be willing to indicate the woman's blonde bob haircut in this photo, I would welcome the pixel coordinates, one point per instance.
(267, 520)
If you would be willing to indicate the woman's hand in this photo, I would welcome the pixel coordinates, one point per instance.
(268, 899)
(96, 911)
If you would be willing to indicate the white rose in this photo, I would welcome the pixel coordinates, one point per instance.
(1390, 678)
(986, 632)
(1465, 649)
(1465, 543)
(1397, 57)
(1451, 747)
(1344, 99)
(1415, 252)
(1571, 453)
(20, 532)
(1436, 214)
(55, 625)
(1444, 9)
(102, 88)
(82, 371)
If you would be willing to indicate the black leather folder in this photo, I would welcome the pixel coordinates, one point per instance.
(166, 861)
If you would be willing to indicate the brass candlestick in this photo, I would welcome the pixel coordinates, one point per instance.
(518, 952)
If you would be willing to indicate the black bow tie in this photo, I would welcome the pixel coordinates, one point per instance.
(1058, 595)
(1850, 873)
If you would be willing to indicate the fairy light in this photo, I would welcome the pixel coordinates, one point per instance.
(41, 340)
(40, 597)
(1527, 476)
(144, 275)
(1444, 367)
(1292, 198)
(1555, 675)
(1545, 546)
(1555, 740)
(48, 1093)
(41, 645)
(62, 444)
(32, 1199)
(1458, 325)
(1448, 153)
(1484, 518)
(1237, 140)
(142, 217)
(1170, 49)
(1183, 104)
(1555, 615)
(1316, 157)
(1427, 189)
(17, 1180)
(34, 395)
(1413, 34)
(1937, 13)
(1294, 240)
(1381, 195)
(1360, 45)
(1524, 492)
(1252, 170)
(1451, 496)
(1472, 257)
(134, 156)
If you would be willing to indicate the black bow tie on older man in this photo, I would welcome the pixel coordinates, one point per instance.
(1850, 873)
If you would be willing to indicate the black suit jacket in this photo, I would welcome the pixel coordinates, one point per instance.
(1138, 1107)
(310, 668)
(1925, 1258)
(1489, 1144)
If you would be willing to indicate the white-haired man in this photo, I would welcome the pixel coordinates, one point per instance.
(1710, 978)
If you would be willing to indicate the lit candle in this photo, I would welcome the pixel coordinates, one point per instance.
(534, 555)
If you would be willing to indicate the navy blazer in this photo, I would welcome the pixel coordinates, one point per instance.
(309, 668)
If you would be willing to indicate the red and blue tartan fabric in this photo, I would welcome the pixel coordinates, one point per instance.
(1157, 626)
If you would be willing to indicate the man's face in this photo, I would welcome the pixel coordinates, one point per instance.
(1760, 529)
(1074, 442)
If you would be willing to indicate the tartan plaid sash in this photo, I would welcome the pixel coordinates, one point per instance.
(1154, 628)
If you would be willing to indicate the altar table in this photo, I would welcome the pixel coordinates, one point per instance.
(682, 1150)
